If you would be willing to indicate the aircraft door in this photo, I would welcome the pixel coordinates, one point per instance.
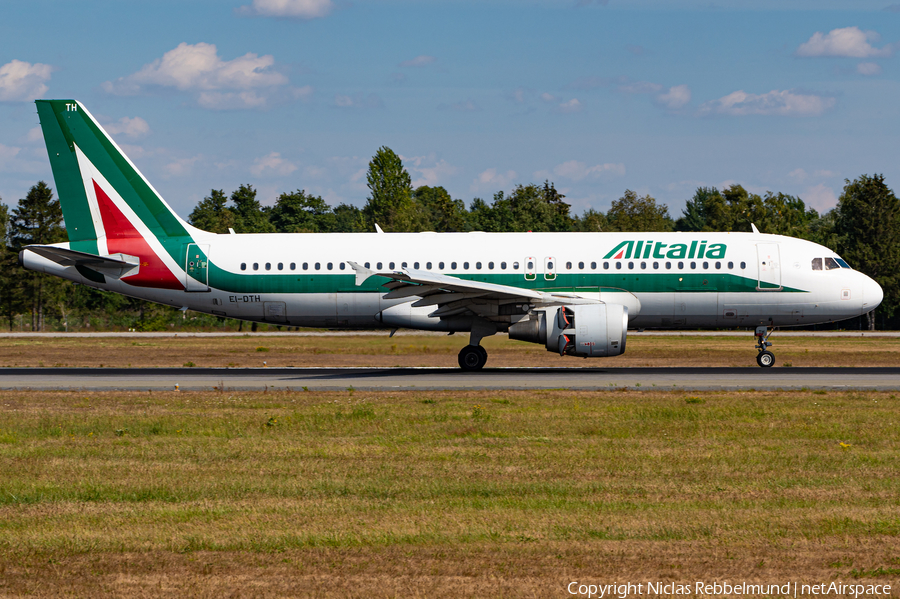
(769, 265)
(196, 268)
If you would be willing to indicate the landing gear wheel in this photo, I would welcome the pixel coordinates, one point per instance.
(472, 357)
(765, 359)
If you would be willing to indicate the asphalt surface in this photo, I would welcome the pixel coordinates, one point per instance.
(448, 378)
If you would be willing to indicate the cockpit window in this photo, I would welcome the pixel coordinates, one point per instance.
(817, 264)
(842, 262)
(831, 264)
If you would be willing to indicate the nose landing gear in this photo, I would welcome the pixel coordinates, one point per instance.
(764, 358)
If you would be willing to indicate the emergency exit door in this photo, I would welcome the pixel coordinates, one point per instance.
(769, 264)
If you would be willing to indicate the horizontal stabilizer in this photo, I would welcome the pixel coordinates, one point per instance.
(115, 265)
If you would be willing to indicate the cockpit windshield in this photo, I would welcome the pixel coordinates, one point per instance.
(828, 263)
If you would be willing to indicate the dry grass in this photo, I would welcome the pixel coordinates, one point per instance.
(415, 494)
(423, 350)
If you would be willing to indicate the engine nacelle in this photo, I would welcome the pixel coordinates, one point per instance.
(589, 330)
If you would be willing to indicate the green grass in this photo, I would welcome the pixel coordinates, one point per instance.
(754, 473)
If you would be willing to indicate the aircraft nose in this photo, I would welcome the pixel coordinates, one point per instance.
(872, 295)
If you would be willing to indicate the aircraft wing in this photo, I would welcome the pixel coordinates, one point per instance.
(115, 265)
(452, 295)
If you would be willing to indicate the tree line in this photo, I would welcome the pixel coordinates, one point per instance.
(864, 228)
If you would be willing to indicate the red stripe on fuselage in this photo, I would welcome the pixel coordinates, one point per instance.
(122, 237)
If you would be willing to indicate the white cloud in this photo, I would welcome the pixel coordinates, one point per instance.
(358, 101)
(428, 170)
(272, 163)
(575, 170)
(23, 81)
(548, 97)
(134, 128)
(821, 197)
(569, 107)
(640, 87)
(419, 61)
(302, 93)
(293, 9)
(181, 167)
(868, 68)
(198, 68)
(491, 179)
(231, 100)
(676, 97)
(798, 174)
(35, 135)
(775, 102)
(848, 41)
(8, 153)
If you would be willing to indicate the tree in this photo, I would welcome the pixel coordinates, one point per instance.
(299, 212)
(37, 220)
(634, 213)
(249, 215)
(349, 219)
(702, 212)
(440, 212)
(528, 208)
(212, 214)
(10, 296)
(592, 221)
(390, 203)
(867, 231)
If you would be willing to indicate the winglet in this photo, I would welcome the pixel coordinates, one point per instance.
(362, 273)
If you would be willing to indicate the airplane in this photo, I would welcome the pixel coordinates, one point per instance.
(575, 293)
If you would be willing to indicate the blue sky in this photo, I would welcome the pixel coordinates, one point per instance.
(598, 96)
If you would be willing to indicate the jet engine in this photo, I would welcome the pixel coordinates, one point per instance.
(588, 330)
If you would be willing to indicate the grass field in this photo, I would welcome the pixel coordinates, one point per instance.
(430, 350)
(442, 494)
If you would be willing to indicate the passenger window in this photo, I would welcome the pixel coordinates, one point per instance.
(568, 266)
(293, 266)
(341, 266)
(268, 266)
(530, 265)
(465, 266)
(441, 265)
(593, 266)
(550, 265)
(730, 265)
(581, 266)
(280, 266)
(606, 266)
(306, 266)
(743, 265)
(515, 266)
(403, 264)
(656, 266)
(428, 266)
(256, 266)
(391, 265)
(831, 264)
(618, 266)
(243, 266)
(503, 266)
(817, 264)
(367, 265)
(693, 266)
(718, 265)
(705, 265)
(668, 266)
(416, 265)
(378, 266)
(318, 266)
(631, 266)
(330, 266)
(478, 265)
(453, 266)
(681, 266)
(643, 266)
(490, 266)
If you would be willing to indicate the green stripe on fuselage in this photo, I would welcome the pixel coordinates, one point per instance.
(306, 282)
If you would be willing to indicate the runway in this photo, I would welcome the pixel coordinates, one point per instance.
(161, 379)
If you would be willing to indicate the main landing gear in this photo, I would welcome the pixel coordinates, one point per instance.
(764, 358)
(472, 357)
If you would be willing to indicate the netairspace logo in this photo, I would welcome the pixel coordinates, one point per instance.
(676, 251)
(791, 589)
